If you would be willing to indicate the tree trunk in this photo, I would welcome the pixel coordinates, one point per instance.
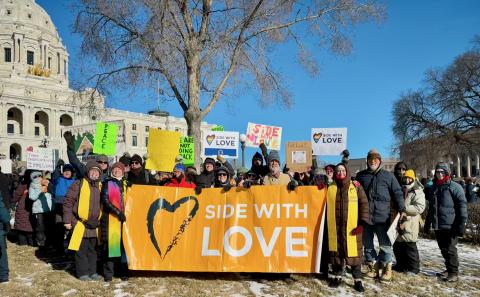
(194, 122)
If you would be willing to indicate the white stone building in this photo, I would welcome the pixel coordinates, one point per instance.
(35, 98)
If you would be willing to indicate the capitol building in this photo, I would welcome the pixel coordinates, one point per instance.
(36, 102)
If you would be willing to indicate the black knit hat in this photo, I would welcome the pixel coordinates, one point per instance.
(443, 166)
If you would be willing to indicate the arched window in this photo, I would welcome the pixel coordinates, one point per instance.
(66, 120)
(15, 152)
(14, 121)
(41, 124)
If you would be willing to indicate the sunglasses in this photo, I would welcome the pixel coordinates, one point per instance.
(251, 175)
(101, 162)
(134, 163)
(222, 174)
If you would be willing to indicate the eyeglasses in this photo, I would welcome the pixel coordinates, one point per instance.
(101, 162)
(134, 163)
(440, 171)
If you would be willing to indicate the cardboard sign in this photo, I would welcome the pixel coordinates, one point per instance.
(41, 159)
(220, 143)
(261, 229)
(328, 141)
(299, 156)
(105, 139)
(6, 166)
(163, 147)
(271, 136)
(218, 128)
(187, 150)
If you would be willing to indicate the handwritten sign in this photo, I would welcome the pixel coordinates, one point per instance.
(105, 139)
(187, 150)
(299, 156)
(271, 136)
(40, 159)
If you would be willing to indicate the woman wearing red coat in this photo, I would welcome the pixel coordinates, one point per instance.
(179, 179)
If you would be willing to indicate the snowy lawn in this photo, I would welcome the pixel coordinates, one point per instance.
(31, 275)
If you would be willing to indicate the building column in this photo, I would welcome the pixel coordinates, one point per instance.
(459, 167)
(469, 167)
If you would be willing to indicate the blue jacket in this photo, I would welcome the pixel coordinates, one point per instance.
(61, 187)
(447, 206)
(4, 215)
(381, 188)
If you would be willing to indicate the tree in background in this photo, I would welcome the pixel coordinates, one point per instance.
(201, 51)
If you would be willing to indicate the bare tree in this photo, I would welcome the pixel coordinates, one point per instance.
(447, 107)
(204, 50)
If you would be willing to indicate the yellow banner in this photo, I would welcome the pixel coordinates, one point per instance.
(262, 229)
(163, 147)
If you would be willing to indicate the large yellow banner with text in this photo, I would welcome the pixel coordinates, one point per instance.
(262, 229)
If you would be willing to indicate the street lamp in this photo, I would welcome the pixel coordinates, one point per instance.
(243, 138)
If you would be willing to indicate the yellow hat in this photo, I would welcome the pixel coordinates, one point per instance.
(410, 173)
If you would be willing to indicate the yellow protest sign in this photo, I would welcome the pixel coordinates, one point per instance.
(163, 147)
(261, 229)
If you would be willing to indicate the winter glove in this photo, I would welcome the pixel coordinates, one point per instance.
(60, 163)
(247, 184)
(357, 230)
(91, 224)
(121, 217)
(221, 159)
(292, 185)
(198, 190)
(459, 230)
(263, 148)
(320, 186)
(227, 187)
(70, 140)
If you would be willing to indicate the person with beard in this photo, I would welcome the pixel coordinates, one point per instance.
(81, 212)
(399, 171)
(381, 188)
(138, 175)
(405, 247)
(347, 216)
(179, 178)
(447, 214)
(111, 223)
(23, 213)
(275, 175)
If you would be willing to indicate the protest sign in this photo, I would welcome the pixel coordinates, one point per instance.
(261, 229)
(218, 128)
(163, 147)
(6, 166)
(328, 141)
(105, 139)
(220, 143)
(187, 150)
(299, 156)
(84, 136)
(271, 136)
(39, 158)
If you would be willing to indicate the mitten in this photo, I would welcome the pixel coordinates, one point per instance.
(357, 230)
(198, 190)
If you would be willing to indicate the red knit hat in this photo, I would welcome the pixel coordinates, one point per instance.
(119, 165)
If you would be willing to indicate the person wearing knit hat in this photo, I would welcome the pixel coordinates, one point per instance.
(405, 247)
(206, 178)
(276, 176)
(125, 159)
(113, 216)
(103, 163)
(257, 165)
(382, 188)
(447, 214)
(137, 174)
(179, 179)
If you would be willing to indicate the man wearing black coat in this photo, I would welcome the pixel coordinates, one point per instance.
(447, 214)
(382, 188)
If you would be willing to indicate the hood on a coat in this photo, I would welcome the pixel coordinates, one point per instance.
(257, 156)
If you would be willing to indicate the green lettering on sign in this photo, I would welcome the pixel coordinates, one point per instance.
(218, 128)
(105, 141)
(187, 150)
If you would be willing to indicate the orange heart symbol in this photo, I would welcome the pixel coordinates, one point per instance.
(316, 137)
(210, 139)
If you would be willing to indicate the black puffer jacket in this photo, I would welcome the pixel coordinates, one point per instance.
(447, 206)
(381, 187)
(261, 170)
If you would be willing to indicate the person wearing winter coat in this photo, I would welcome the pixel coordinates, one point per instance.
(24, 219)
(275, 175)
(470, 192)
(447, 214)
(138, 175)
(179, 179)
(5, 184)
(62, 179)
(399, 171)
(257, 165)
(81, 213)
(223, 178)
(206, 178)
(383, 191)
(347, 216)
(4, 220)
(405, 247)
(42, 208)
(113, 200)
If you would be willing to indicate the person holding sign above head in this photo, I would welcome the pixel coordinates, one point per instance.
(347, 215)
(81, 212)
(179, 178)
(111, 223)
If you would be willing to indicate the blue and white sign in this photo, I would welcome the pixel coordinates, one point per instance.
(220, 143)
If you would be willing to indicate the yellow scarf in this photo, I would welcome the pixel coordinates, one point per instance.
(83, 209)
(352, 219)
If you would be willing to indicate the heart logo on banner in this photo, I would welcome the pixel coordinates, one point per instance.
(316, 137)
(162, 204)
(210, 139)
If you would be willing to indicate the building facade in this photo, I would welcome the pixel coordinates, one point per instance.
(356, 165)
(36, 101)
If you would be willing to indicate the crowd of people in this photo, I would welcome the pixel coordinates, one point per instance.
(80, 207)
